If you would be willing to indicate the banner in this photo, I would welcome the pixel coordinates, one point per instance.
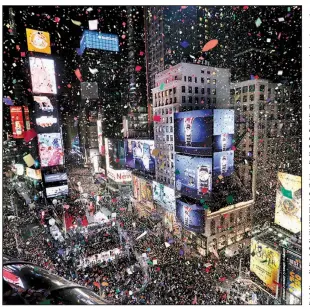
(293, 273)
(265, 266)
(50, 149)
(17, 121)
(38, 41)
(288, 202)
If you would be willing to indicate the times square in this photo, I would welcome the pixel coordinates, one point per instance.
(152, 155)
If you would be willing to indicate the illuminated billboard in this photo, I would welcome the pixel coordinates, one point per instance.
(288, 202)
(223, 163)
(17, 121)
(27, 117)
(100, 137)
(55, 177)
(43, 77)
(50, 149)
(139, 155)
(97, 40)
(193, 132)
(34, 173)
(57, 191)
(164, 196)
(293, 273)
(265, 266)
(193, 176)
(38, 41)
(191, 216)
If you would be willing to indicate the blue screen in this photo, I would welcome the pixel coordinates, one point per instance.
(193, 176)
(193, 132)
(101, 41)
(191, 216)
(223, 163)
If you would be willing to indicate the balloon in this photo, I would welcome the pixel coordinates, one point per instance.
(210, 45)
(52, 222)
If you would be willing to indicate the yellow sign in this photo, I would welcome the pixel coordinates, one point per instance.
(265, 264)
(38, 41)
(288, 202)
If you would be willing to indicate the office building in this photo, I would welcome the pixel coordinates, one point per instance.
(183, 87)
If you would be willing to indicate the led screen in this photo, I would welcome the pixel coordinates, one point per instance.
(55, 177)
(288, 202)
(164, 196)
(223, 163)
(57, 191)
(38, 41)
(43, 76)
(50, 149)
(17, 121)
(116, 153)
(34, 173)
(191, 216)
(193, 176)
(193, 132)
(139, 155)
(223, 129)
(293, 273)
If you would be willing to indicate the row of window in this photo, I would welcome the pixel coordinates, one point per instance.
(164, 129)
(162, 103)
(190, 90)
(196, 100)
(162, 138)
(166, 92)
(202, 80)
(165, 180)
(251, 89)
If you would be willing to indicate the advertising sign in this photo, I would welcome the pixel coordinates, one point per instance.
(43, 76)
(55, 177)
(193, 176)
(17, 121)
(101, 41)
(191, 216)
(34, 173)
(57, 191)
(265, 266)
(38, 41)
(223, 129)
(18, 169)
(293, 274)
(100, 137)
(115, 153)
(50, 149)
(120, 176)
(193, 132)
(27, 117)
(164, 196)
(223, 163)
(288, 202)
(139, 155)
(171, 223)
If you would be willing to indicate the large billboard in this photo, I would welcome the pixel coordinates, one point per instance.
(100, 137)
(288, 202)
(50, 149)
(193, 176)
(143, 191)
(139, 155)
(18, 128)
(34, 173)
(193, 132)
(191, 216)
(293, 274)
(223, 163)
(223, 129)
(43, 77)
(97, 40)
(57, 191)
(164, 196)
(38, 41)
(265, 266)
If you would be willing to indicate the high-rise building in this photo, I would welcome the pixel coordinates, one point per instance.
(183, 87)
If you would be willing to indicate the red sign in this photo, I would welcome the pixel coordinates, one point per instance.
(17, 122)
(27, 118)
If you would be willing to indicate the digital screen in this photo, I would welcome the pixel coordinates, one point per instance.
(55, 177)
(57, 191)
(34, 173)
(115, 150)
(38, 41)
(43, 76)
(18, 169)
(293, 273)
(223, 130)
(101, 41)
(223, 163)
(191, 216)
(100, 138)
(288, 202)
(139, 155)
(265, 266)
(193, 132)
(27, 117)
(164, 196)
(50, 149)
(17, 121)
(193, 176)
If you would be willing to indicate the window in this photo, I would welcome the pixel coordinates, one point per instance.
(251, 107)
(167, 127)
(184, 78)
(202, 91)
(208, 72)
(262, 88)
(171, 129)
(171, 155)
(261, 107)
(190, 99)
(196, 90)
(214, 81)
(155, 95)
(208, 80)
(208, 91)
(232, 218)
(202, 71)
(167, 111)
(238, 91)
(167, 137)
(189, 79)
(174, 90)
(202, 80)
(232, 92)
(196, 100)
(170, 119)
(214, 91)
(167, 120)
(166, 93)
(214, 100)
(245, 98)
(261, 97)
(183, 89)
(212, 226)
(208, 100)
(170, 91)
(171, 137)
(252, 88)
(183, 99)
(240, 216)
(245, 89)
(251, 97)
(195, 79)
(170, 100)
(175, 99)
(244, 108)
(190, 89)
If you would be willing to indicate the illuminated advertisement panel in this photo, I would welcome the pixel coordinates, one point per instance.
(50, 149)
(43, 76)
(193, 132)
(288, 202)
(38, 41)
(27, 117)
(191, 216)
(57, 191)
(265, 266)
(100, 137)
(193, 176)
(17, 121)
(139, 155)
(293, 274)
(55, 177)
(101, 41)
(34, 173)
(223, 163)
(164, 196)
